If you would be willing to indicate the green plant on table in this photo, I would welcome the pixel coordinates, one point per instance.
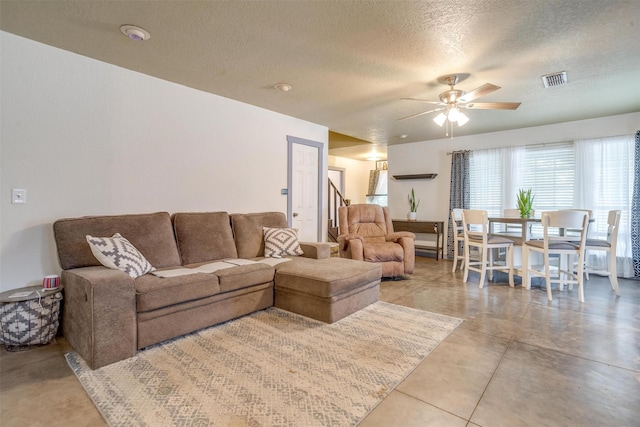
(413, 202)
(525, 203)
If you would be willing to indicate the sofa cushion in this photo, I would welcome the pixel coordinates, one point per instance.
(279, 242)
(247, 231)
(325, 277)
(243, 276)
(117, 253)
(156, 292)
(151, 234)
(204, 236)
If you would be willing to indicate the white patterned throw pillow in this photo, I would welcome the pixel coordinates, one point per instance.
(118, 253)
(279, 242)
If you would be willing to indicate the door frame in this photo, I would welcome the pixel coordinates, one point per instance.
(319, 145)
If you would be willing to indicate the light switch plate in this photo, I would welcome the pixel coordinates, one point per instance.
(18, 196)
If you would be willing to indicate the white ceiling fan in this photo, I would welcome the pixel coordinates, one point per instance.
(453, 100)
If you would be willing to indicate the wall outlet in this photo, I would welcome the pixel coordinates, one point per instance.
(18, 196)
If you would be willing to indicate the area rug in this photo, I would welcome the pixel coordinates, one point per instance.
(270, 368)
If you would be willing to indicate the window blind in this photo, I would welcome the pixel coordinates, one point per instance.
(485, 176)
(550, 172)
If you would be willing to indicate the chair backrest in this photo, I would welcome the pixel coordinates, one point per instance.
(456, 219)
(475, 223)
(373, 222)
(589, 216)
(515, 213)
(556, 223)
(511, 213)
(613, 220)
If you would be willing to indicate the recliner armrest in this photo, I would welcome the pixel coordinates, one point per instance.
(345, 239)
(395, 237)
(351, 246)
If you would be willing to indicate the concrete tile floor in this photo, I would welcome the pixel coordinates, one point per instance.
(517, 360)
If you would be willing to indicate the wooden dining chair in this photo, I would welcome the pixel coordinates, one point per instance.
(609, 246)
(475, 225)
(458, 238)
(511, 228)
(556, 242)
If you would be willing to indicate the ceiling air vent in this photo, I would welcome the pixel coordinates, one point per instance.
(555, 79)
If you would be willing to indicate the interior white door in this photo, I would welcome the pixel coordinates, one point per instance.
(304, 191)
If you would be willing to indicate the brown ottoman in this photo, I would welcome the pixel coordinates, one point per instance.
(326, 289)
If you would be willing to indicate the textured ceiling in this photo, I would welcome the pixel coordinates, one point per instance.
(351, 62)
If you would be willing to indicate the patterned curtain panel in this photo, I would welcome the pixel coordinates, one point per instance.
(459, 190)
(635, 210)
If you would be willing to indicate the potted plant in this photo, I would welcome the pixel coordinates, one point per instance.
(413, 206)
(525, 203)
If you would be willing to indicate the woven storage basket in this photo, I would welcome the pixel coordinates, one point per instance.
(32, 323)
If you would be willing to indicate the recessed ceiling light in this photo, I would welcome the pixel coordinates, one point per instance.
(283, 87)
(404, 136)
(135, 33)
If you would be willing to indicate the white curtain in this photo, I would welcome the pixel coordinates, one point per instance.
(485, 170)
(604, 182)
(512, 175)
(497, 177)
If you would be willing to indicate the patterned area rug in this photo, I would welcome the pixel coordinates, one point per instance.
(270, 368)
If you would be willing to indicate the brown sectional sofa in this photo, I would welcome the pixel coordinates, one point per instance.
(108, 315)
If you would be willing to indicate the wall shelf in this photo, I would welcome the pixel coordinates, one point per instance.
(416, 176)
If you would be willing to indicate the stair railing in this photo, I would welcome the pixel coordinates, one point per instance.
(336, 199)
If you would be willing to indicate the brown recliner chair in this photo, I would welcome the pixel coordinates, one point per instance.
(366, 234)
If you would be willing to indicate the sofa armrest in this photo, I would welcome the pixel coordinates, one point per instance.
(316, 250)
(99, 316)
(395, 237)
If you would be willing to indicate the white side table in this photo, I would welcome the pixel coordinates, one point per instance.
(31, 320)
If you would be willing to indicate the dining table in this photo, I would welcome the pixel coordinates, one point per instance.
(517, 229)
(521, 234)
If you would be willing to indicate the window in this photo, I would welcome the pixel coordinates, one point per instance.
(550, 172)
(485, 176)
(591, 174)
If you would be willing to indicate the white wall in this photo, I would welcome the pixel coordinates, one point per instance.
(87, 138)
(431, 157)
(356, 174)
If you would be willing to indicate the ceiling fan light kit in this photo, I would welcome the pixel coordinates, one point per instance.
(452, 100)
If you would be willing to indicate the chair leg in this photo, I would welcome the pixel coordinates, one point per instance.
(547, 275)
(490, 264)
(483, 267)
(586, 270)
(526, 277)
(455, 256)
(466, 265)
(569, 257)
(580, 278)
(510, 264)
(613, 273)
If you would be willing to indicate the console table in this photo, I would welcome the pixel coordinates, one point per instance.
(424, 227)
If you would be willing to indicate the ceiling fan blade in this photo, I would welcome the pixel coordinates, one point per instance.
(483, 90)
(492, 105)
(422, 100)
(420, 114)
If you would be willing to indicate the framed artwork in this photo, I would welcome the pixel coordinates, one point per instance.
(381, 165)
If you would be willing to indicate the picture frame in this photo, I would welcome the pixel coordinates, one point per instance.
(381, 165)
